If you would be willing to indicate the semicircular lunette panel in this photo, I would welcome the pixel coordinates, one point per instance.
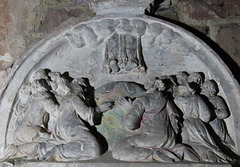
(113, 82)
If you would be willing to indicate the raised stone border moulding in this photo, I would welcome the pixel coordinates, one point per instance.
(124, 50)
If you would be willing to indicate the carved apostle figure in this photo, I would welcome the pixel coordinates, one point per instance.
(33, 128)
(181, 78)
(76, 142)
(55, 125)
(196, 80)
(153, 120)
(194, 132)
(221, 111)
(35, 121)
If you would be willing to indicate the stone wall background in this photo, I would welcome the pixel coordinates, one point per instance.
(25, 22)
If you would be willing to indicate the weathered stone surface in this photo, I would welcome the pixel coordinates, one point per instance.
(228, 38)
(226, 9)
(13, 26)
(197, 10)
(169, 14)
(84, 49)
(208, 9)
(233, 7)
(107, 161)
(4, 74)
(102, 7)
(19, 26)
(53, 18)
(214, 2)
(81, 1)
(202, 29)
(76, 12)
(5, 20)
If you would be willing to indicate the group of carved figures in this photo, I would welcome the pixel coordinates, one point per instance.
(180, 117)
(54, 125)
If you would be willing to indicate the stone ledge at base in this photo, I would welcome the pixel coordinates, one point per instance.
(106, 161)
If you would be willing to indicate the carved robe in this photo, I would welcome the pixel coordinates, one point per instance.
(154, 119)
(33, 128)
(70, 138)
(218, 124)
(194, 133)
(34, 125)
(74, 138)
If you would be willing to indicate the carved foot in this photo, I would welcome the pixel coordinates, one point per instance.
(114, 67)
(50, 154)
(11, 151)
(159, 156)
(131, 65)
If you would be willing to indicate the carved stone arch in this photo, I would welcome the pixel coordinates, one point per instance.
(80, 50)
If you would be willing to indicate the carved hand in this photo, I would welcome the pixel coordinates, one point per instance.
(125, 103)
(105, 107)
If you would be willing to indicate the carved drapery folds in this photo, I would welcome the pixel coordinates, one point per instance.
(55, 115)
(116, 84)
(122, 40)
(180, 118)
(123, 51)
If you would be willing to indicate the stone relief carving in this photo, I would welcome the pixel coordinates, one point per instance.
(123, 51)
(56, 119)
(116, 6)
(196, 113)
(122, 40)
(179, 118)
(154, 121)
(114, 90)
(221, 111)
